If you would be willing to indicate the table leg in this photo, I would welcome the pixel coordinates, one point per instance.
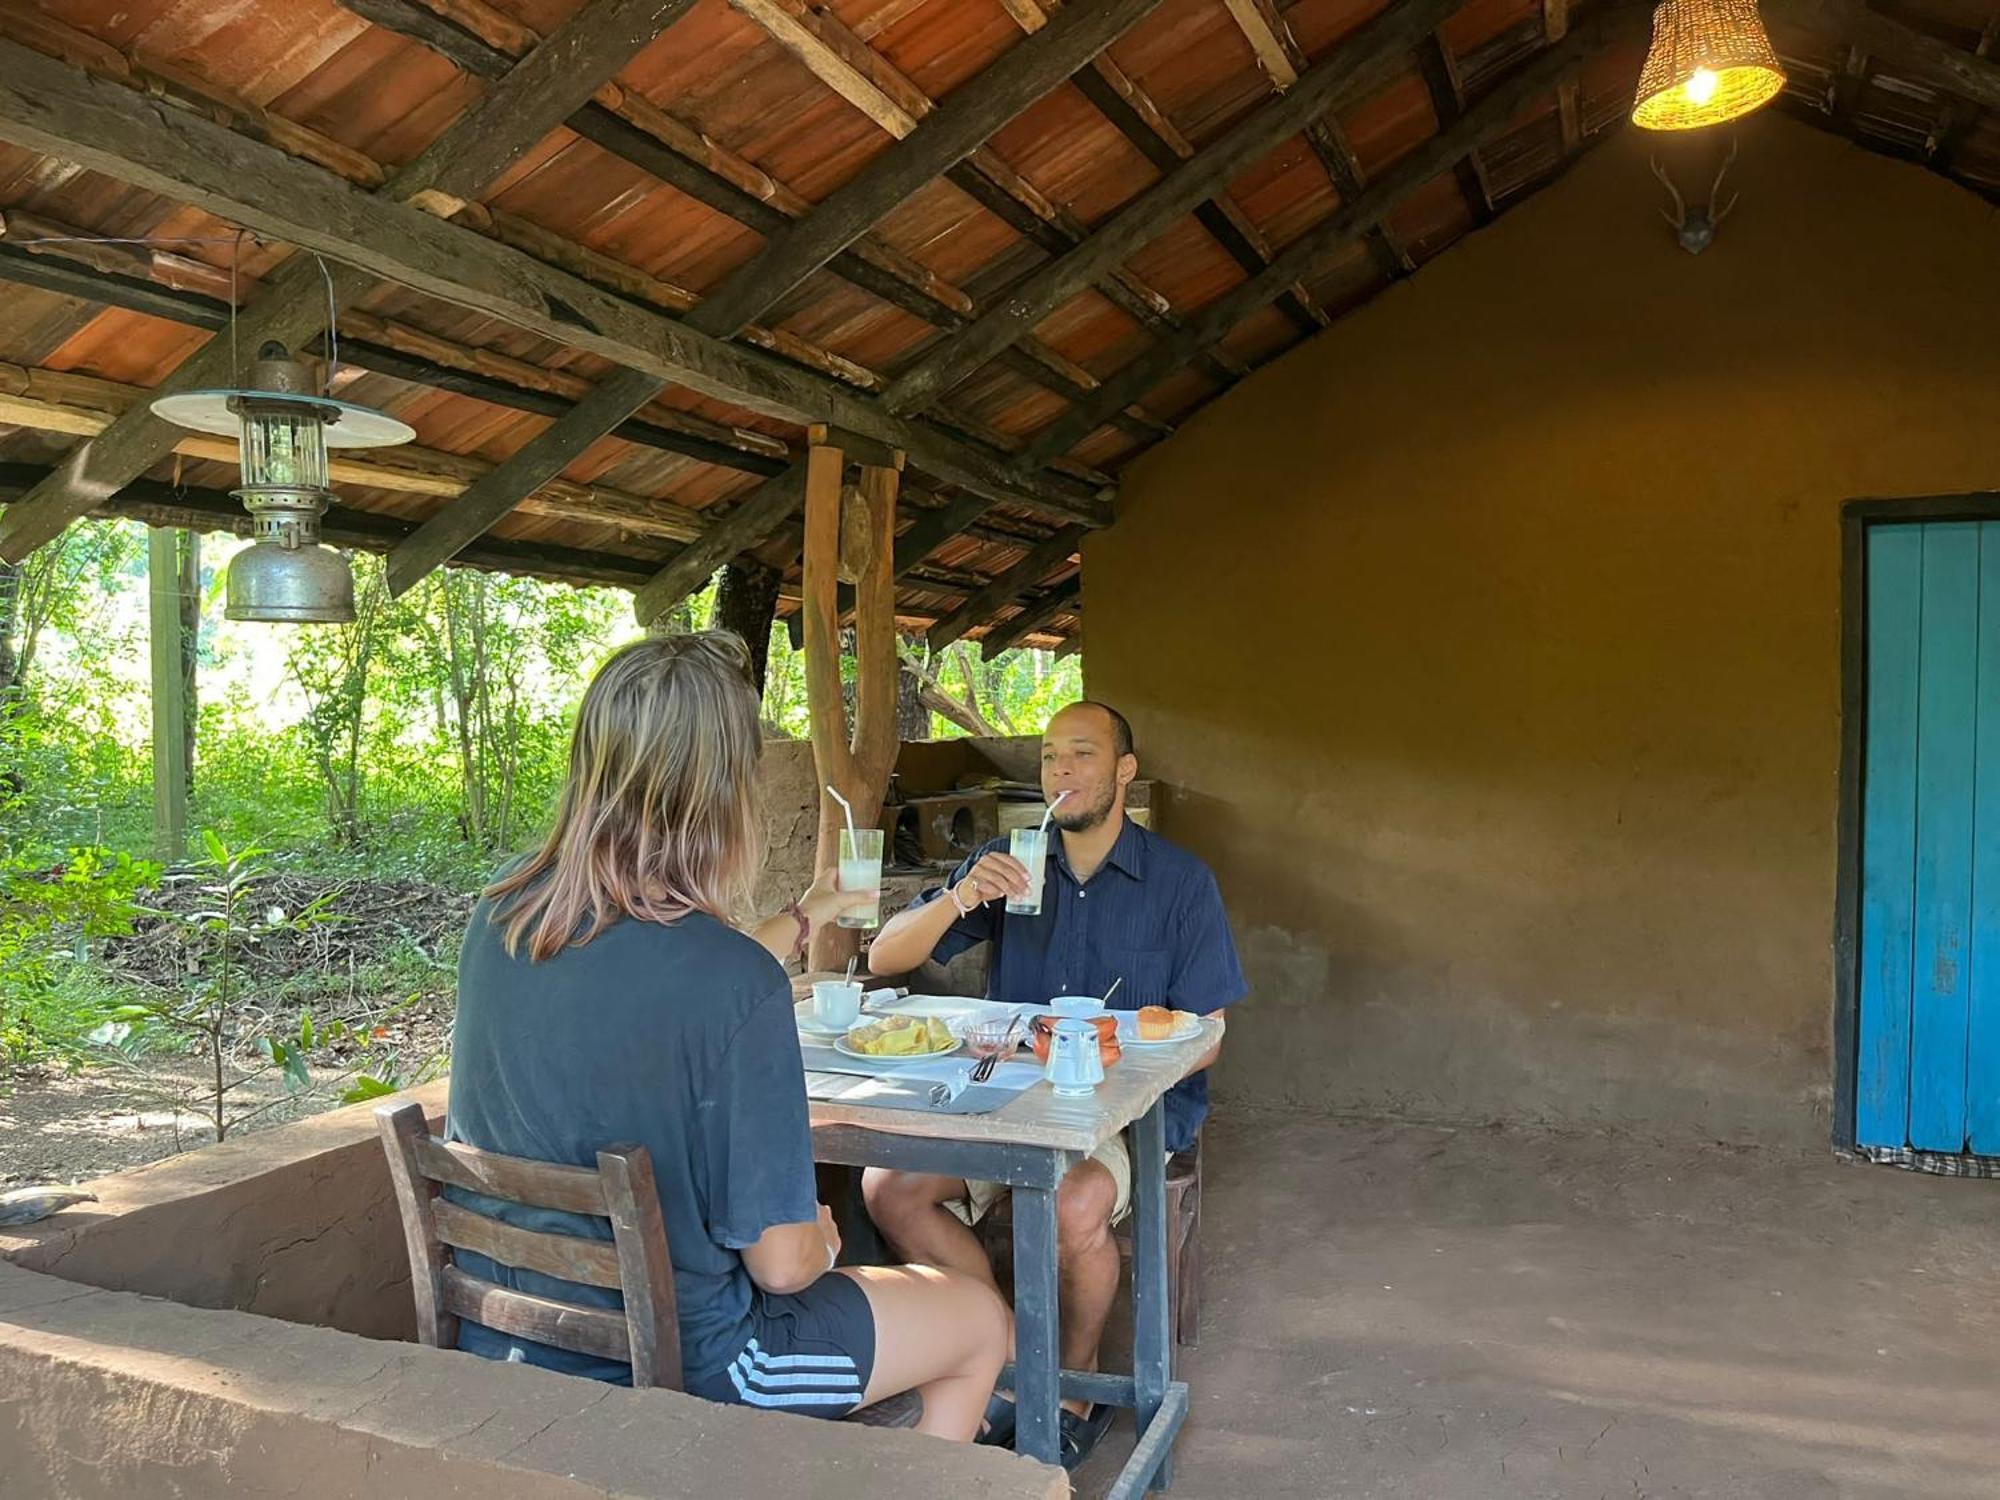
(1037, 1365)
(1152, 1317)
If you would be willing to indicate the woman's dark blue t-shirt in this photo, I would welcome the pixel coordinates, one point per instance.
(679, 1038)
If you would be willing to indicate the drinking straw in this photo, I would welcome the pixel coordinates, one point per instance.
(1047, 812)
(850, 811)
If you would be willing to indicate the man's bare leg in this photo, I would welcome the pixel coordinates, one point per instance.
(908, 1207)
(1086, 1264)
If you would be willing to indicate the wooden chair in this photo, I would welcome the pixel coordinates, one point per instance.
(634, 1262)
(1184, 1266)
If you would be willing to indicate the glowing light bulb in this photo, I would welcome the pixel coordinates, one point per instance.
(1701, 85)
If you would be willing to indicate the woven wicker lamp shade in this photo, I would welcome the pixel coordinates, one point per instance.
(1710, 61)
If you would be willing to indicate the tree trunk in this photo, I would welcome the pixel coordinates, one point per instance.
(913, 716)
(190, 587)
(746, 602)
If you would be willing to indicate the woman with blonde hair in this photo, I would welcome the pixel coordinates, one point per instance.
(604, 996)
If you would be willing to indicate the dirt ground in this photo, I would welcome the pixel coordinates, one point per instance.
(1407, 1313)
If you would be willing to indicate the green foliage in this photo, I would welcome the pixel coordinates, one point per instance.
(51, 916)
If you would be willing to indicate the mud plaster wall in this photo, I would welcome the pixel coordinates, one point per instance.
(1509, 717)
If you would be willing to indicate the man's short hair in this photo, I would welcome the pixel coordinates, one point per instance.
(1121, 727)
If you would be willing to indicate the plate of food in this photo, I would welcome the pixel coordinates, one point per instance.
(1156, 1025)
(896, 1039)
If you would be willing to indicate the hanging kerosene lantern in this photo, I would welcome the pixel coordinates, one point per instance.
(284, 427)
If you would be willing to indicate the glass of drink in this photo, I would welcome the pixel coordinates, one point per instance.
(861, 870)
(1031, 847)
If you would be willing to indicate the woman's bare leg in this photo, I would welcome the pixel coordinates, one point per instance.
(939, 1333)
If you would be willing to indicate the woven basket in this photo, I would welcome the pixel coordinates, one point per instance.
(1724, 37)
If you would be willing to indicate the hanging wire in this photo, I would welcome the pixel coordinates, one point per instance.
(332, 326)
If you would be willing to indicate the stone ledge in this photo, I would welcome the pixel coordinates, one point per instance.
(108, 1394)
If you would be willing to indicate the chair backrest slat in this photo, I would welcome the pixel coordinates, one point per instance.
(592, 1262)
(540, 1183)
(403, 1131)
(586, 1330)
(640, 1233)
(636, 1263)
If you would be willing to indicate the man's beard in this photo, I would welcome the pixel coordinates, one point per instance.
(1070, 819)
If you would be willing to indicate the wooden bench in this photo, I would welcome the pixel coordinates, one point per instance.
(634, 1262)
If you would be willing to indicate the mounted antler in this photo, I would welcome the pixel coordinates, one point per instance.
(1678, 218)
(1694, 229)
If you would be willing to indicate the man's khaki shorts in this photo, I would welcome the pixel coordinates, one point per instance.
(981, 1196)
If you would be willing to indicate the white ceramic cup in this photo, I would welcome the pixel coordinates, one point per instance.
(837, 1003)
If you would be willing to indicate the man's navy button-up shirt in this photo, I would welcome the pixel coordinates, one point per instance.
(1151, 915)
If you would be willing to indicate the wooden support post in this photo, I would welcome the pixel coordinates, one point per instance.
(163, 588)
(857, 760)
(189, 579)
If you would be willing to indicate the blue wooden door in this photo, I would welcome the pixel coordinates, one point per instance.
(1928, 1056)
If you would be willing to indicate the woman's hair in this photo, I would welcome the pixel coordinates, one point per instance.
(659, 815)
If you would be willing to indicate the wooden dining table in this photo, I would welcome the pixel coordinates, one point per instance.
(1030, 1144)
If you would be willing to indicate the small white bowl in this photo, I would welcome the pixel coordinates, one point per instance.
(1077, 1005)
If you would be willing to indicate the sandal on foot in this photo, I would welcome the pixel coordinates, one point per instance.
(1080, 1435)
(998, 1430)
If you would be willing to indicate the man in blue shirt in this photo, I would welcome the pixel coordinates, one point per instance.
(1118, 902)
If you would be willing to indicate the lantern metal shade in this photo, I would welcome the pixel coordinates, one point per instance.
(1710, 62)
(305, 584)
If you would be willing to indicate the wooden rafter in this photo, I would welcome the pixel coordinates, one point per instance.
(958, 128)
(1035, 616)
(1447, 94)
(1282, 61)
(1958, 70)
(631, 127)
(760, 513)
(539, 460)
(83, 406)
(1371, 57)
(1954, 120)
(1487, 119)
(896, 103)
(389, 347)
(1569, 93)
(197, 509)
(1121, 100)
(521, 109)
(1041, 560)
(49, 108)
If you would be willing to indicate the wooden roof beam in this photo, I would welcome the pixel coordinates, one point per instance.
(1036, 615)
(1283, 61)
(1569, 93)
(761, 512)
(1957, 70)
(412, 355)
(1041, 559)
(889, 98)
(517, 112)
(83, 406)
(158, 504)
(1372, 56)
(632, 128)
(1122, 101)
(47, 107)
(1489, 118)
(542, 458)
(960, 126)
(1955, 120)
(1447, 91)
